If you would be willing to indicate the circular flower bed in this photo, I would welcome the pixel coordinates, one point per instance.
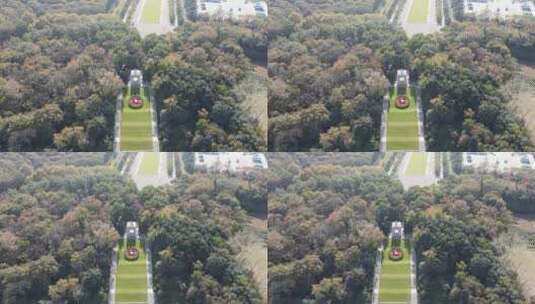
(395, 254)
(131, 254)
(402, 102)
(135, 102)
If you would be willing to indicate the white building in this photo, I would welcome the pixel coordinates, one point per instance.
(402, 79)
(136, 78)
(229, 161)
(501, 9)
(498, 161)
(232, 8)
(132, 231)
(397, 230)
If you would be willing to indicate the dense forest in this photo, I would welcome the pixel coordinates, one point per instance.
(189, 225)
(60, 219)
(62, 68)
(460, 73)
(330, 67)
(58, 80)
(193, 72)
(57, 233)
(327, 221)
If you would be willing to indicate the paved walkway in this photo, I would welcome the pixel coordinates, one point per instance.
(429, 178)
(384, 119)
(377, 275)
(414, 290)
(117, 126)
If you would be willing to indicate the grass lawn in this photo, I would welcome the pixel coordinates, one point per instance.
(253, 251)
(518, 254)
(150, 163)
(417, 164)
(151, 11)
(418, 12)
(136, 125)
(253, 89)
(523, 88)
(395, 281)
(131, 285)
(402, 125)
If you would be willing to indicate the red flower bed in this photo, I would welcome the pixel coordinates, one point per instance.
(131, 254)
(135, 102)
(395, 254)
(402, 102)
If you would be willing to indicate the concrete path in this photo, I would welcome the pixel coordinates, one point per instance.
(113, 277)
(172, 154)
(154, 123)
(412, 29)
(414, 283)
(427, 179)
(420, 113)
(141, 181)
(377, 275)
(384, 119)
(150, 288)
(117, 126)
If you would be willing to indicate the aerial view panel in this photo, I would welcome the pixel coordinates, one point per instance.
(401, 75)
(133, 75)
(96, 228)
(366, 228)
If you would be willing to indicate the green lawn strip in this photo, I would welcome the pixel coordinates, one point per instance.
(137, 145)
(150, 163)
(402, 125)
(417, 164)
(401, 145)
(136, 125)
(418, 12)
(131, 284)
(395, 281)
(151, 11)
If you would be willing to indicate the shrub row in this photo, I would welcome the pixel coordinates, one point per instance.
(438, 7)
(401, 5)
(437, 163)
(447, 12)
(179, 12)
(191, 9)
(131, 12)
(125, 7)
(172, 15)
(445, 164)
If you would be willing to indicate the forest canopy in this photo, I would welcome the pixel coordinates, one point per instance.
(63, 65)
(61, 215)
(330, 66)
(327, 222)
